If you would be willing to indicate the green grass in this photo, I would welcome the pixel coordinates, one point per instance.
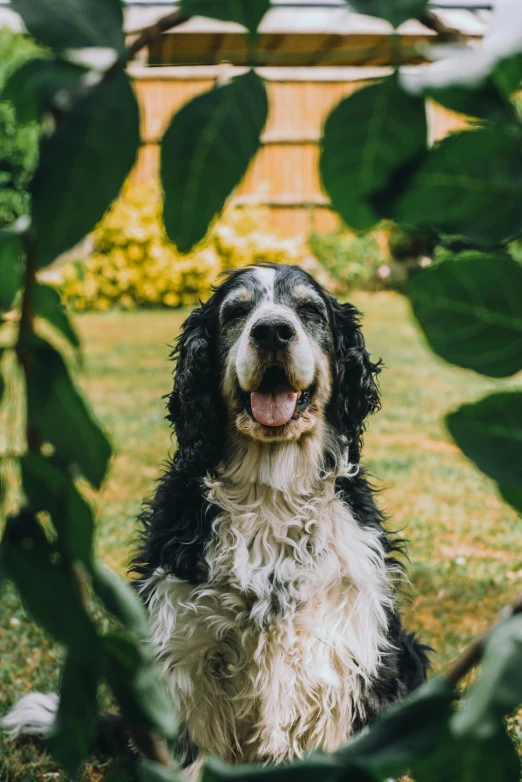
(464, 548)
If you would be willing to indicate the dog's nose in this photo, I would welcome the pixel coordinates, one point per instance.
(273, 335)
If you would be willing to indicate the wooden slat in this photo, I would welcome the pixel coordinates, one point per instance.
(288, 49)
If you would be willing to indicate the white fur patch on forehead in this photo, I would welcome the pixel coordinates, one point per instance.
(266, 277)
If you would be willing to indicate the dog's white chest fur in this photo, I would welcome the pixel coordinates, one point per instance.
(269, 658)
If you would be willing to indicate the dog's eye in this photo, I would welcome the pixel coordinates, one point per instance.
(236, 312)
(310, 309)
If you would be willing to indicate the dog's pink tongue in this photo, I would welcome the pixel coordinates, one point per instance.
(274, 407)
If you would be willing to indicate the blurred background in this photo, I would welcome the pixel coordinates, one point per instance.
(131, 290)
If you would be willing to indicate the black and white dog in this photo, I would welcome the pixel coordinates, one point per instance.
(270, 580)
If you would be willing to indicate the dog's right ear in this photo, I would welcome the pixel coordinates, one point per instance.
(195, 406)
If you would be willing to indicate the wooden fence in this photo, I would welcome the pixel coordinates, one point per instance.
(284, 175)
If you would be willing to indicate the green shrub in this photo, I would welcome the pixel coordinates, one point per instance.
(354, 262)
(18, 143)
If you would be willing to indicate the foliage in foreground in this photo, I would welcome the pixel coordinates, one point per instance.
(463, 193)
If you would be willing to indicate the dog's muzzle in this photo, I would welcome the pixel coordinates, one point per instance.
(276, 400)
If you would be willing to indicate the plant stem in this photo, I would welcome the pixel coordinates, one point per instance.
(148, 35)
(26, 328)
(445, 34)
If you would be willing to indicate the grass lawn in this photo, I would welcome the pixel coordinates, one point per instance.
(466, 559)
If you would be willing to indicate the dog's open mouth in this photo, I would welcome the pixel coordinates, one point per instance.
(275, 402)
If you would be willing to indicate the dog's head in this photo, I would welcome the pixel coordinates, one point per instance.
(270, 356)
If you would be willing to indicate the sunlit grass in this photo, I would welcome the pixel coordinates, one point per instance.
(466, 559)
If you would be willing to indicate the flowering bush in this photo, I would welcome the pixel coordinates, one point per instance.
(354, 262)
(133, 264)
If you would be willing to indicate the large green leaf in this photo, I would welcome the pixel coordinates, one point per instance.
(498, 690)
(48, 304)
(48, 585)
(76, 724)
(122, 600)
(470, 184)
(138, 688)
(484, 103)
(366, 137)
(453, 759)
(72, 24)
(470, 310)
(83, 166)
(317, 766)
(394, 11)
(59, 414)
(33, 88)
(11, 267)
(489, 99)
(205, 153)
(246, 12)
(489, 432)
(49, 488)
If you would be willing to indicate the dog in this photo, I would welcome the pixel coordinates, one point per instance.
(271, 582)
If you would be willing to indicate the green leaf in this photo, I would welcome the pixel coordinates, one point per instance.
(394, 11)
(73, 24)
(11, 268)
(48, 304)
(498, 689)
(366, 137)
(122, 600)
(40, 577)
(317, 766)
(59, 414)
(470, 184)
(154, 772)
(49, 488)
(468, 320)
(76, 724)
(2, 389)
(205, 153)
(139, 690)
(485, 103)
(248, 13)
(489, 432)
(507, 75)
(451, 759)
(489, 99)
(83, 166)
(34, 87)
(403, 732)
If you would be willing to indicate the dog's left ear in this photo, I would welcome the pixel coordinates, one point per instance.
(356, 392)
(194, 405)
